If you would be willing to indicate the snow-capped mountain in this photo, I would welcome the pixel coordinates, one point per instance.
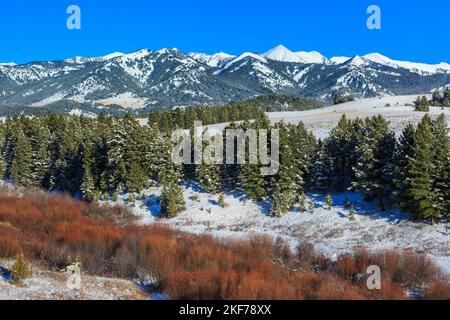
(170, 77)
(420, 68)
(213, 60)
(281, 53)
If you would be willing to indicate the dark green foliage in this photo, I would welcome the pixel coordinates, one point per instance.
(104, 156)
(419, 172)
(338, 99)
(422, 104)
(171, 200)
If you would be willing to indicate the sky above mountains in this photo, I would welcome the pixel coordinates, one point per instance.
(411, 30)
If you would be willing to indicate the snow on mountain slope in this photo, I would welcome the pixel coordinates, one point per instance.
(339, 60)
(311, 57)
(113, 55)
(240, 61)
(170, 77)
(214, 60)
(420, 68)
(281, 53)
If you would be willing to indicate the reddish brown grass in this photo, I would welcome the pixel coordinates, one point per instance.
(51, 228)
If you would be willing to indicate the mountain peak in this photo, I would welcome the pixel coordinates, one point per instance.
(357, 61)
(112, 55)
(281, 53)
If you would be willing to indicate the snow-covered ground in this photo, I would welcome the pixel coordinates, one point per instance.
(400, 112)
(331, 231)
(48, 285)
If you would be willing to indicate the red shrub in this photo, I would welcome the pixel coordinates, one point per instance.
(187, 266)
(438, 290)
(9, 246)
(346, 267)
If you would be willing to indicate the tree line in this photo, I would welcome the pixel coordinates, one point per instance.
(99, 158)
(437, 100)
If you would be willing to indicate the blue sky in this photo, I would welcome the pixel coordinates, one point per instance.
(415, 30)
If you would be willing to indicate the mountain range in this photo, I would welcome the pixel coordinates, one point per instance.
(169, 77)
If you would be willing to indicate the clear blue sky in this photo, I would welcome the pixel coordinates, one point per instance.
(416, 30)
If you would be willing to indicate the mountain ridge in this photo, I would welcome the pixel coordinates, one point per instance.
(169, 78)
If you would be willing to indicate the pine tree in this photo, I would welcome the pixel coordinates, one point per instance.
(302, 202)
(321, 169)
(221, 201)
(20, 270)
(422, 104)
(419, 173)
(311, 206)
(171, 200)
(328, 202)
(440, 170)
(40, 140)
(446, 98)
(87, 186)
(135, 178)
(2, 151)
(436, 99)
(352, 214)
(250, 179)
(341, 145)
(286, 182)
(116, 171)
(374, 170)
(21, 166)
(404, 155)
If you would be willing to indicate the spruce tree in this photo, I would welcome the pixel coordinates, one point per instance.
(419, 173)
(286, 181)
(440, 170)
(328, 202)
(403, 158)
(250, 179)
(374, 170)
(2, 154)
(321, 169)
(302, 202)
(21, 167)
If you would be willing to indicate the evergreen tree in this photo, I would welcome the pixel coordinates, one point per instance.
(40, 140)
(171, 201)
(321, 169)
(328, 202)
(21, 166)
(440, 170)
(436, 99)
(374, 170)
(403, 158)
(311, 206)
(419, 173)
(87, 187)
(285, 183)
(250, 178)
(422, 104)
(2, 154)
(352, 214)
(221, 201)
(446, 98)
(135, 178)
(302, 202)
(341, 145)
